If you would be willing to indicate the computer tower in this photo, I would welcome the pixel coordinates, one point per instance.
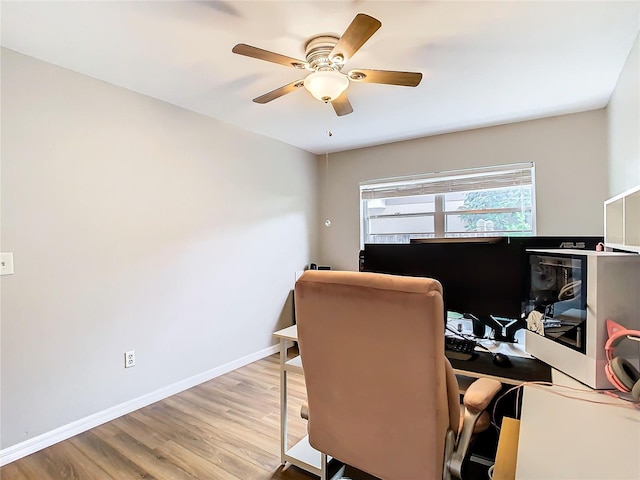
(572, 294)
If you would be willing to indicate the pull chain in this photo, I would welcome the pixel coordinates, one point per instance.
(327, 221)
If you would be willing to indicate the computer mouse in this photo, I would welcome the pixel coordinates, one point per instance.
(501, 360)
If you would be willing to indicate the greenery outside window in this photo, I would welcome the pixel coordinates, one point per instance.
(491, 201)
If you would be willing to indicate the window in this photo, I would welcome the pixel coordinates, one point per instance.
(492, 201)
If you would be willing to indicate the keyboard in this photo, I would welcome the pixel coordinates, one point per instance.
(458, 348)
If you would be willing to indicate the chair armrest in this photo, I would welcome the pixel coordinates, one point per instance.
(476, 400)
(480, 393)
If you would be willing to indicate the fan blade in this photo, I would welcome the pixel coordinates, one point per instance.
(361, 29)
(279, 92)
(388, 77)
(266, 55)
(341, 105)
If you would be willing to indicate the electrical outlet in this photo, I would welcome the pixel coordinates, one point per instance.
(6, 263)
(130, 359)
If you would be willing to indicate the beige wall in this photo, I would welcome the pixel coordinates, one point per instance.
(135, 225)
(623, 114)
(570, 153)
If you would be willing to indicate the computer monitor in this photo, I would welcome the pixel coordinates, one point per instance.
(486, 279)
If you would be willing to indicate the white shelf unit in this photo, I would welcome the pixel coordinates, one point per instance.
(622, 221)
(302, 454)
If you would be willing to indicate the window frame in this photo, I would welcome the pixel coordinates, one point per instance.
(439, 184)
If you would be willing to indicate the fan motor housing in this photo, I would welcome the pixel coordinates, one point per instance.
(317, 50)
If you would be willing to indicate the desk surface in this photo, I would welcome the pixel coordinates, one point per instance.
(523, 369)
(289, 333)
(569, 438)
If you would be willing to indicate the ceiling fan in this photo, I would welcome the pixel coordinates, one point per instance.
(325, 57)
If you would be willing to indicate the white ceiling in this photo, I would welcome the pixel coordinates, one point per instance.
(484, 62)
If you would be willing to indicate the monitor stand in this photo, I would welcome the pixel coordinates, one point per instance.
(503, 330)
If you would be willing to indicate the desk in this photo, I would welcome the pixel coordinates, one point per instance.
(560, 438)
(565, 438)
(302, 454)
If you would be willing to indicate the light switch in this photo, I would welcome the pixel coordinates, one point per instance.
(6, 263)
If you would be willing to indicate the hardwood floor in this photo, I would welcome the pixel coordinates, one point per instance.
(227, 428)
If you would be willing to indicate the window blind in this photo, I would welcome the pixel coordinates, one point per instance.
(453, 181)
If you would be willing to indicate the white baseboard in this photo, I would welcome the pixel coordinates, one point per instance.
(22, 449)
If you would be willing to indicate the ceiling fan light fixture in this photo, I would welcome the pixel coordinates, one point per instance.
(326, 85)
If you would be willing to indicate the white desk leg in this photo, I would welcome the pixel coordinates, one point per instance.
(283, 400)
(323, 466)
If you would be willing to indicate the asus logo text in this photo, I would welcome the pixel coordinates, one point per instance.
(572, 245)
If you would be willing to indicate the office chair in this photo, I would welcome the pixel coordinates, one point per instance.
(382, 396)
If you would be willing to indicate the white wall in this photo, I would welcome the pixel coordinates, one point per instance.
(570, 153)
(135, 225)
(623, 114)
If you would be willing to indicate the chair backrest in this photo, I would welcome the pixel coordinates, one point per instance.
(379, 393)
